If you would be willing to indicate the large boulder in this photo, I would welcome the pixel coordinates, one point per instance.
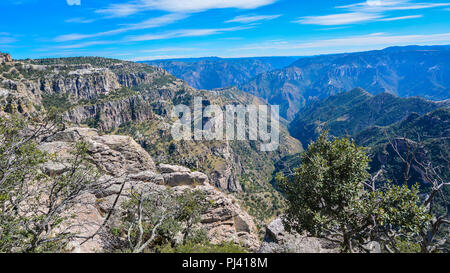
(185, 178)
(166, 168)
(5, 58)
(226, 221)
(278, 240)
(112, 154)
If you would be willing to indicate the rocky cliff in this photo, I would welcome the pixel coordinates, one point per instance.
(121, 160)
(5, 58)
(278, 240)
(136, 100)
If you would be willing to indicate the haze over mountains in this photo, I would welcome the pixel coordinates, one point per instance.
(214, 72)
(402, 71)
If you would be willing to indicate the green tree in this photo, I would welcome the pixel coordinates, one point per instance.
(332, 195)
(35, 205)
(154, 217)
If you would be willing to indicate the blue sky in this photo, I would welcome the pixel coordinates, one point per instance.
(159, 29)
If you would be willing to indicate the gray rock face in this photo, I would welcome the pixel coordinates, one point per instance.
(121, 160)
(54, 168)
(174, 175)
(93, 91)
(148, 176)
(278, 240)
(113, 113)
(226, 221)
(226, 178)
(112, 154)
(185, 178)
(166, 168)
(5, 58)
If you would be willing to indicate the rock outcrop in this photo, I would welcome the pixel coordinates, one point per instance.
(121, 160)
(278, 240)
(5, 58)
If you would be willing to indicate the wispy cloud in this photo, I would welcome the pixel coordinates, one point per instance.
(167, 53)
(183, 33)
(148, 37)
(5, 38)
(252, 18)
(186, 6)
(401, 18)
(79, 20)
(159, 57)
(84, 44)
(338, 19)
(369, 11)
(168, 49)
(373, 40)
(74, 2)
(391, 5)
(150, 23)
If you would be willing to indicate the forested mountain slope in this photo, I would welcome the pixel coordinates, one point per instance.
(351, 112)
(214, 72)
(402, 71)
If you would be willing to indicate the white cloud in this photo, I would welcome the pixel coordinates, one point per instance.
(160, 57)
(183, 33)
(73, 2)
(338, 19)
(386, 5)
(369, 11)
(79, 20)
(85, 44)
(186, 6)
(7, 40)
(401, 18)
(374, 40)
(252, 18)
(148, 37)
(169, 49)
(150, 23)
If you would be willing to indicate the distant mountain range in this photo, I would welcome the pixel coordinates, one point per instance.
(351, 112)
(403, 71)
(214, 72)
(294, 82)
